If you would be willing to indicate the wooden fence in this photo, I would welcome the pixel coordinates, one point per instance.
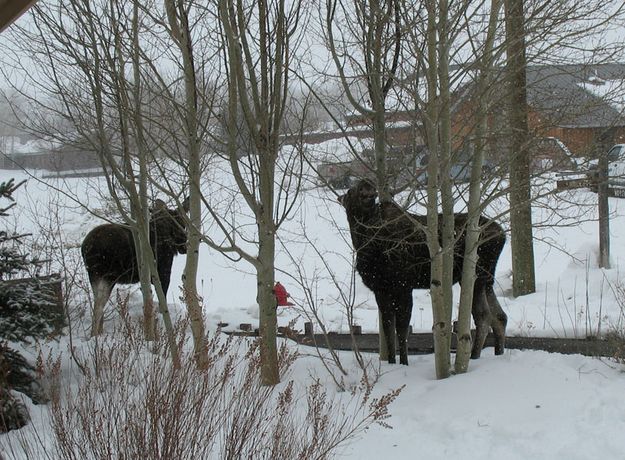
(423, 343)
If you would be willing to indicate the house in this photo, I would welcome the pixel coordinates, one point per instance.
(581, 105)
(573, 110)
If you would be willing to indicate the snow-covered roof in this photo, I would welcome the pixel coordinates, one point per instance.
(610, 91)
(586, 96)
(574, 95)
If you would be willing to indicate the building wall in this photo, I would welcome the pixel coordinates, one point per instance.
(51, 161)
(581, 141)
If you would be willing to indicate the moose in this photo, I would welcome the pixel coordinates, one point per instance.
(393, 258)
(109, 254)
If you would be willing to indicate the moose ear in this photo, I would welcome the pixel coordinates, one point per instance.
(185, 204)
(341, 199)
(158, 205)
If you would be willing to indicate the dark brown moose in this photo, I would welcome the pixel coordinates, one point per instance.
(392, 258)
(110, 258)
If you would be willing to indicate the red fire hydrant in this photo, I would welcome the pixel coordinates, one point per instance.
(282, 296)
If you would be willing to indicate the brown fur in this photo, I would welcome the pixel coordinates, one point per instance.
(110, 257)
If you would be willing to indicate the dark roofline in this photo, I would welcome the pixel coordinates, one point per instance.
(10, 10)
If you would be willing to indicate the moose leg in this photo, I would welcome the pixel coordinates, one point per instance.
(388, 325)
(101, 293)
(499, 320)
(481, 318)
(385, 305)
(164, 271)
(403, 312)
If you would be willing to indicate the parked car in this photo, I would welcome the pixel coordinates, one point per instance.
(616, 166)
(550, 154)
(459, 171)
(405, 165)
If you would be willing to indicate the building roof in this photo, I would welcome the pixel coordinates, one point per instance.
(575, 95)
(585, 96)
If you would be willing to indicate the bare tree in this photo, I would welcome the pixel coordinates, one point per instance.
(367, 50)
(441, 33)
(87, 64)
(474, 205)
(105, 70)
(260, 39)
(438, 139)
(180, 28)
(364, 39)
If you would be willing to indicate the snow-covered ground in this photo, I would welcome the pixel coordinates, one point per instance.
(524, 404)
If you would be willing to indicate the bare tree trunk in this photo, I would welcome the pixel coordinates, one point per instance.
(463, 349)
(265, 260)
(164, 311)
(447, 199)
(149, 317)
(379, 140)
(602, 144)
(266, 299)
(192, 299)
(258, 61)
(521, 238)
(440, 327)
(380, 46)
(181, 33)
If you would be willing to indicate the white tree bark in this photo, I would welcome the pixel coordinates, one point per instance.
(474, 205)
